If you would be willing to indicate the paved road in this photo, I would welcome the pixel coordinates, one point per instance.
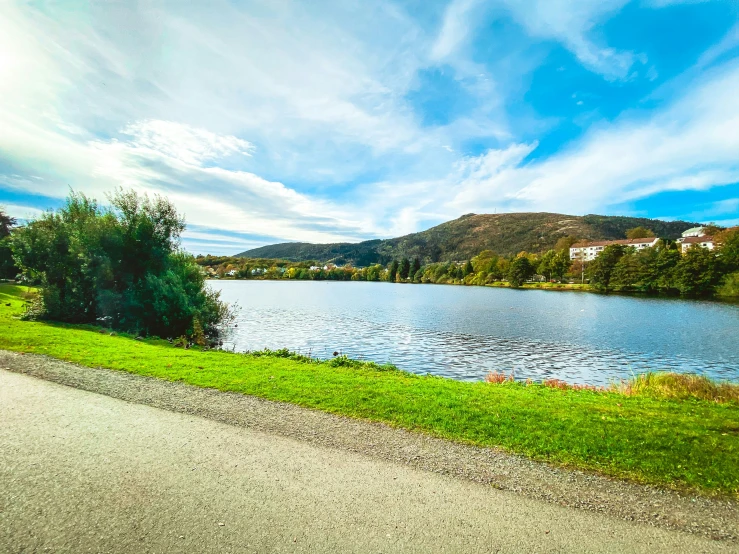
(82, 472)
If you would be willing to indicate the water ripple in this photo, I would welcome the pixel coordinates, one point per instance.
(465, 332)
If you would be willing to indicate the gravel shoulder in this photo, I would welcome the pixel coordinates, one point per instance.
(518, 481)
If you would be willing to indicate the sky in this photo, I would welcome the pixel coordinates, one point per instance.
(336, 121)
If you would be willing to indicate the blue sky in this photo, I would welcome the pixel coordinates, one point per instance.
(342, 121)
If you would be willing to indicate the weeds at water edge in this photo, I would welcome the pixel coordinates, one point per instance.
(669, 385)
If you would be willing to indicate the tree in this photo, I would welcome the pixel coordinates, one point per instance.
(120, 265)
(404, 268)
(545, 264)
(698, 272)
(564, 243)
(728, 247)
(601, 269)
(6, 223)
(520, 270)
(415, 266)
(639, 233)
(711, 230)
(484, 261)
(668, 256)
(627, 273)
(8, 270)
(560, 264)
(392, 271)
(468, 268)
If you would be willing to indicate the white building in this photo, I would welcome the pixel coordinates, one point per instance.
(693, 232)
(588, 251)
(688, 242)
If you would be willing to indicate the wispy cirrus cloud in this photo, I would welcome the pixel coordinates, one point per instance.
(569, 22)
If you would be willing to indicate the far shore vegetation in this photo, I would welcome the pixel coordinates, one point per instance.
(659, 429)
(662, 269)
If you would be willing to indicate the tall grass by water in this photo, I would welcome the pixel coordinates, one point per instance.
(662, 384)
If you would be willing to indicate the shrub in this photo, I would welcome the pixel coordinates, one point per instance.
(498, 377)
(730, 286)
(121, 265)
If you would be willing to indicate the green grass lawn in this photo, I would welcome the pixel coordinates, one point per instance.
(685, 444)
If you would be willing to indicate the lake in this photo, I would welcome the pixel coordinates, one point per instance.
(465, 332)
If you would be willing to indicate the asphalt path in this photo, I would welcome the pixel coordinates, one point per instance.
(83, 472)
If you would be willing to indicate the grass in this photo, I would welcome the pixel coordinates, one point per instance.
(680, 387)
(689, 444)
(666, 385)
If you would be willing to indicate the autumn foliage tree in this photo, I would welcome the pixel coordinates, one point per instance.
(639, 233)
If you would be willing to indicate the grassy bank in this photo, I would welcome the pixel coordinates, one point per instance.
(686, 444)
(543, 286)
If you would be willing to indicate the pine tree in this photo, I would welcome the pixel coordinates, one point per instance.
(415, 266)
(404, 268)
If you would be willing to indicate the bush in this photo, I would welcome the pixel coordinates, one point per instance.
(121, 265)
(729, 286)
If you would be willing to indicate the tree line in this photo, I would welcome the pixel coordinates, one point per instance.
(662, 269)
(665, 269)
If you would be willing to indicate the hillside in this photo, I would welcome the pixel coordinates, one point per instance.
(467, 236)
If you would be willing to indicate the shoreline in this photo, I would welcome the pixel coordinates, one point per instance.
(559, 287)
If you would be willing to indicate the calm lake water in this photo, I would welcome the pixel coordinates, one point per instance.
(465, 332)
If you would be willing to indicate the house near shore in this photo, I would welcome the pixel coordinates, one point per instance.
(588, 251)
(702, 241)
(695, 237)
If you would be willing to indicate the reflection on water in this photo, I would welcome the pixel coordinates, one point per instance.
(464, 332)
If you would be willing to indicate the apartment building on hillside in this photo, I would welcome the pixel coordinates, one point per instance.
(588, 251)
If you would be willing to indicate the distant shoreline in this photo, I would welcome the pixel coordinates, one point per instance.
(555, 287)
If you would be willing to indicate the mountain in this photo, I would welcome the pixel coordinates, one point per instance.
(467, 236)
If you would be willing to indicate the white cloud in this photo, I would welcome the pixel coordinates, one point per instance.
(21, 212)
(455, 28)
(690, 145)
(572, 23)
(184, 142)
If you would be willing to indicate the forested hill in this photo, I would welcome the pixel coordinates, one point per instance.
(463, 238)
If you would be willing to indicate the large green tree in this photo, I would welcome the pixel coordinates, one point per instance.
(698, 272)
(392, 271)
(119, 265)
(404, 268)
(520, 270)
(601, 269)
(728, 248)
(415, 266)
(8, 269)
